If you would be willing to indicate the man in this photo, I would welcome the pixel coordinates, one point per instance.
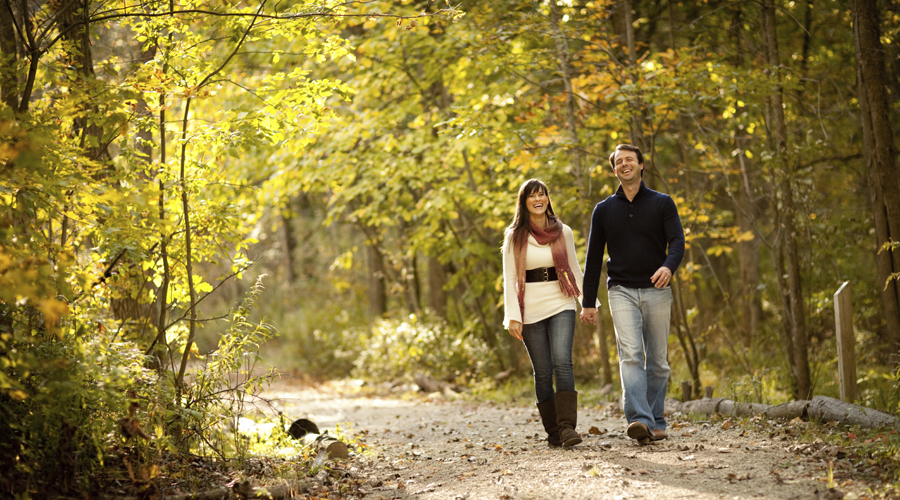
(645, 240)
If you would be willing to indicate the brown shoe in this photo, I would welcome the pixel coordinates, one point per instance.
(638, 431)
(659, 435)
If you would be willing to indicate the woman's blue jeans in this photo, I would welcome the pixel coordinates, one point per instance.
(549, 345)
(641, 318)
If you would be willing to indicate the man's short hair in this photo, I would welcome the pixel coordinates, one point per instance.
(626, 147)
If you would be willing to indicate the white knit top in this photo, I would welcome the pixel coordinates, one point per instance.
(542, 299)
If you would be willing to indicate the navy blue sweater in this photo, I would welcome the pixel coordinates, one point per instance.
(642, 235)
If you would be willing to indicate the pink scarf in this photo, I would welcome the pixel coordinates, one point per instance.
(553, 235)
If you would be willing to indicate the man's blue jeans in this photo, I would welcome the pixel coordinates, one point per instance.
(549, 345)
(641, 318)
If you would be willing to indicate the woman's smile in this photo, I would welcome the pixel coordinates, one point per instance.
(537, 203)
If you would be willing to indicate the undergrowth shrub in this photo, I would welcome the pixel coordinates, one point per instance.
(58, 426)
(395, 349)
(879, 388)
(227, 383)
(761, 386)
(84, 400)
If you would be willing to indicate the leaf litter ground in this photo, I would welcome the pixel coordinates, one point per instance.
(431, 447)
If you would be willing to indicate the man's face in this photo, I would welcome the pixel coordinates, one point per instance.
(627, 166)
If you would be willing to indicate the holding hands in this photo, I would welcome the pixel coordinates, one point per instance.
(589, 315)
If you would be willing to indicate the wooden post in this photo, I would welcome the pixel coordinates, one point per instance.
(846, 343)
(686, 391)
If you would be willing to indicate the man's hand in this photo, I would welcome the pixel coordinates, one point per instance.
(589, 315)
(661, 277)
(515, 329)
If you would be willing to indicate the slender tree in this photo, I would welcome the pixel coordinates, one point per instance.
(881, 164)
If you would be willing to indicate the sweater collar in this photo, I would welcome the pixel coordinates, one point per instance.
(621, 192)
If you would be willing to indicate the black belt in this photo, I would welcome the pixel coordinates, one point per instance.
(540, 274)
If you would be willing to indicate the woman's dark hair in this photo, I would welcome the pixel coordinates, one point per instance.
(520, 226)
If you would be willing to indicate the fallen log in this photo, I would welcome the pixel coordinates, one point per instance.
(702, 406)
(729, 407)
(726, 406)
(429, 384)
(669, 407)
(276, 492)
(822, 408)
(789, 411)
(749, 409)
(828, 409)
(244, 489)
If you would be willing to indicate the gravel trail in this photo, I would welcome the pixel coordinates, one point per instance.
(436, 448)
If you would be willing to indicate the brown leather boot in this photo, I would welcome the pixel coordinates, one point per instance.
(547, 409)
(567, 417)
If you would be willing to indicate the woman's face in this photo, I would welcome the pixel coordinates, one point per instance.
(537, 202)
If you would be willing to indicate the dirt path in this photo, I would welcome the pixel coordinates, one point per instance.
(433, 448)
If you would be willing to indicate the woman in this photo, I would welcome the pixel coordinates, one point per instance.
(542, 279)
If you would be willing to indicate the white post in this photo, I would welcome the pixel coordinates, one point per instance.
(846, 343)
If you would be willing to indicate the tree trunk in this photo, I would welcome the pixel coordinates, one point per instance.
(680, 320)
(290, 246)
(377, 290)
(784, 167)
(128, 308)
(576, 153)
(880, 154)
(8, 59)
(75, 29)
(411, 284)
(188, 254)
(162, 352)
(786, 322)
(746, 211)
(637, 118)
(748, 261)
(437, 279)
(686, 337)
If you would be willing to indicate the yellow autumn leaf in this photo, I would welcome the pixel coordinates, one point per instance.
(718, 250)
(548, 136)
(17, 394)
(745, 236)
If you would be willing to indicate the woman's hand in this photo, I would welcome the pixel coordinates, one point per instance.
(515, 329)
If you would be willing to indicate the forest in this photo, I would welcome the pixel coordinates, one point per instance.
(198, 195)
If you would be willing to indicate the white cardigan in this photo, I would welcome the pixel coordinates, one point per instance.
(542, 299)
